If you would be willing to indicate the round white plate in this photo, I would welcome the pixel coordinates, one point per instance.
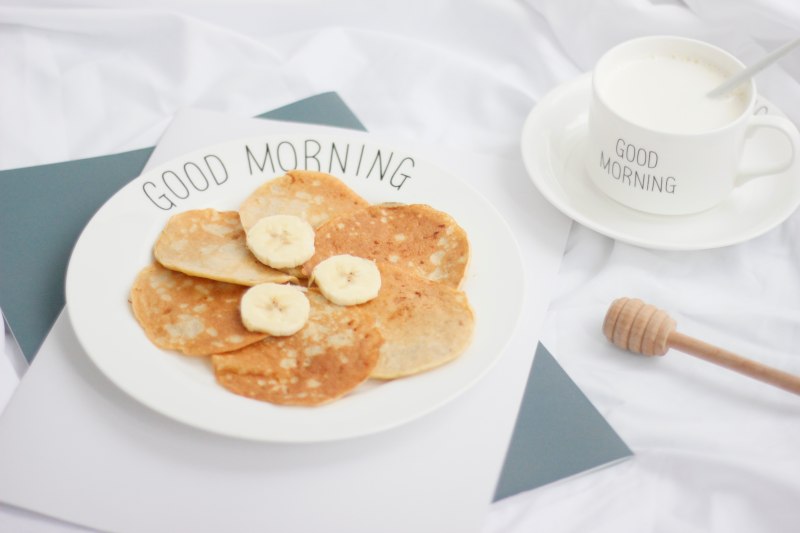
(554, 139)
(118, 241)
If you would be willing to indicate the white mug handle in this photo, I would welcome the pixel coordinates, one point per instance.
(781, 124)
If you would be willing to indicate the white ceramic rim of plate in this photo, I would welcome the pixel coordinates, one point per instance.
(119, 238)
(539, 134)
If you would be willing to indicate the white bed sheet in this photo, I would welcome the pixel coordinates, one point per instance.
(714, 451)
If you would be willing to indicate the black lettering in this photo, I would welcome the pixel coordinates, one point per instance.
(641, 156)
(657, 183)
(640, 179)
(335, 151)
(652, 159)
(198, 172)
(404, 176)
(164, 176)
(280, 159)
(360, 158)
(626, 174)
(379, 161)
(605, 165)
(161, 201)
(222, 177)
(398, 185)
(261, 166)
(620, 149)
(313, 156)
(616, 170)
(671, 185)
(630, 153)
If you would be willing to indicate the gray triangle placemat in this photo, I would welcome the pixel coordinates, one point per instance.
(326, 109)
(43, 209)
(558, 432)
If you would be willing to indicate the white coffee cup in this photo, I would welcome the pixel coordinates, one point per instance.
(657, 143)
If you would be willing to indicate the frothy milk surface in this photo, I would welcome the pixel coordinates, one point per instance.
(668, 93)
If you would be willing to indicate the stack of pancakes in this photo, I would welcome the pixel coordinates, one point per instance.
(188, 299)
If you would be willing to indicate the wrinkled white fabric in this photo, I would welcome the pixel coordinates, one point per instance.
(714, 451)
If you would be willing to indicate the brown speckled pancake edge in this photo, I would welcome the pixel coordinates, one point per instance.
(416, 237)
(196, 316)
(424, 324)
(332, 355)
(211, 244)
(312, 196)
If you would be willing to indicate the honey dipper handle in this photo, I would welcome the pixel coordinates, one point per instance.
(737, 363)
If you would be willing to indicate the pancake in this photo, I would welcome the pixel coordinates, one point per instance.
(333, 353)
(428, 242)
(196, 316)
(312, 196)
(424, 324)
(211, 244)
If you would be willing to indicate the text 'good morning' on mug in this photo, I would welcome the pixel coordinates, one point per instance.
(657, 143)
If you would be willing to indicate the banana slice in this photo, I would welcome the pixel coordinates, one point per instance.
(347, 280)
(281, 241)
(279, 310)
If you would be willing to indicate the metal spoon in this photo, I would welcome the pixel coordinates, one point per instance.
(753, 69)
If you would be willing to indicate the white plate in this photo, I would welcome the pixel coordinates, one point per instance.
(553, 146)
(118, 240)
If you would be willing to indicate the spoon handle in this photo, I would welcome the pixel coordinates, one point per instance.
(753, 69)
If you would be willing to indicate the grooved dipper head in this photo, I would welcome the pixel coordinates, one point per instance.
(638, 327)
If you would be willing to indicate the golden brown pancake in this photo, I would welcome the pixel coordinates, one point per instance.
(312, 196)
(333, 353)
(416, 237)
(211, 244)
(424, 324)
(196, 316)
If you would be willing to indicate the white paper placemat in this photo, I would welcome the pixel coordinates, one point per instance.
(98, 458)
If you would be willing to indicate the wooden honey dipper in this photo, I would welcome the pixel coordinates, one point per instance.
(641, 328)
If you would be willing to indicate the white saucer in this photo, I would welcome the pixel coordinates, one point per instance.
(554, 140)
